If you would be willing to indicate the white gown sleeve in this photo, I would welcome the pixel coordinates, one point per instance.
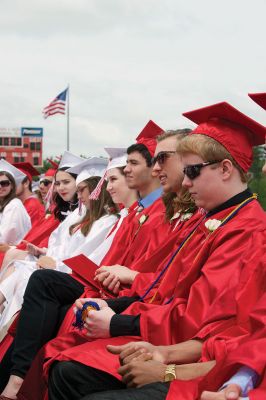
(59, 239)
(78, 244)
(98, 254)
(14, 223)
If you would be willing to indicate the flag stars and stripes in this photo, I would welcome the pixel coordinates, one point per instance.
(57, 106)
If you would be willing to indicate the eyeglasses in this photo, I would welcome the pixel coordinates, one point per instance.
(5, 183)
(161, 157)
(45, 182)
(192, 171)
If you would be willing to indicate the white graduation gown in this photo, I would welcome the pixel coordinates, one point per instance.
(98, 254)
(14, 223)
(14, 286)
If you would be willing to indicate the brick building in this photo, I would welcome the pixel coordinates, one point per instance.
(21, 144)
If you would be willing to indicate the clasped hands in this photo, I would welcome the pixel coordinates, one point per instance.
(141, 363)
(112, 277)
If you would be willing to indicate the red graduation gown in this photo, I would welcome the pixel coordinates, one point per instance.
(132, 239)
(205, 275)
(125, 250)
(242, 342)
(153, 261)
(35, 210)
(40, 234)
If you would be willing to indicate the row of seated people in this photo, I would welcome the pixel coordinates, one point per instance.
(174, 281)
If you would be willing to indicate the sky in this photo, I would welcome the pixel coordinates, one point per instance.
(126, 61)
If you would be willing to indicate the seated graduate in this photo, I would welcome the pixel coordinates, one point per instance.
(187, 363)
(87, 231)
(178, 209)
(14, 219)
(152, 206)
(45, 183)
(246, 378)
(34, 207)
(186, 286)
(132, 238)
(60, 207)
(66, 201)
(178, 217)
(121, 194)
(218, 152)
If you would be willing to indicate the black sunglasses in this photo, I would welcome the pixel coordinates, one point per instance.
(192, 171)
(5, 183)
(46, 182)
(161, 157)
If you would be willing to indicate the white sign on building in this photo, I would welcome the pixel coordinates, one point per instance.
(10, 132)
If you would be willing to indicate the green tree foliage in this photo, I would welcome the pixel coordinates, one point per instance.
(258, 180)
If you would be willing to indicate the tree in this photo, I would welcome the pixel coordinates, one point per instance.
(258, 179)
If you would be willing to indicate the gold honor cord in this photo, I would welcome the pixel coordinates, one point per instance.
(224, 221)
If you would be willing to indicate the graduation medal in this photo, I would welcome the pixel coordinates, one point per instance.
(82, 314)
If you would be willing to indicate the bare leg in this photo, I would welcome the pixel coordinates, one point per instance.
(10, 269)
(5, 275)
(12, 387)
(12, 255)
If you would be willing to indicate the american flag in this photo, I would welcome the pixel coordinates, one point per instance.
(57, 106)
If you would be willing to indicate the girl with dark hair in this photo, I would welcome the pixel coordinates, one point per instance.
(63, 197)
(14, 219)
(88, 229)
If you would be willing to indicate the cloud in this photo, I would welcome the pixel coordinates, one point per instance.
(126, 62)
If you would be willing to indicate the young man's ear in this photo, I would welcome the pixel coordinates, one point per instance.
(227, 168)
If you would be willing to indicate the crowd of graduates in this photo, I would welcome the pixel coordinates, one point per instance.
(138, 275)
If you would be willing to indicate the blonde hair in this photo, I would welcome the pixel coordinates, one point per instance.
(209, 150)
(179, 133)
(182, 201)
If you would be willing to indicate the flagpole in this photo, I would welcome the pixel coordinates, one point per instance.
(68, 137)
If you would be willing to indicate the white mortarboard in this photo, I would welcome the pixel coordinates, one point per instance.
(15, 172)
(117, 156)
(69, 160)
(94, 166)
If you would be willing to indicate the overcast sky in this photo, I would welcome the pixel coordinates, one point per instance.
(127, 61)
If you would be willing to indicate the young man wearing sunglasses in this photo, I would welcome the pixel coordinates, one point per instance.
(204, 273)
(179, 209)
(46, 182)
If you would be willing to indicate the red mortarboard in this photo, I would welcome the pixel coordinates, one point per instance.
(259, 98)
(53, 163)
(27, 169)
(50, 172)
(148, 136)
(234, 130)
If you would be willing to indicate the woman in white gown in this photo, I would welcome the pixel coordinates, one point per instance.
(89, 228)
(14, 219)
(120, 193)
(13, 275)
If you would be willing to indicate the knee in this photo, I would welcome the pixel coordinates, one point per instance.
(41, 275)
(62, 372)
(38, 280)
